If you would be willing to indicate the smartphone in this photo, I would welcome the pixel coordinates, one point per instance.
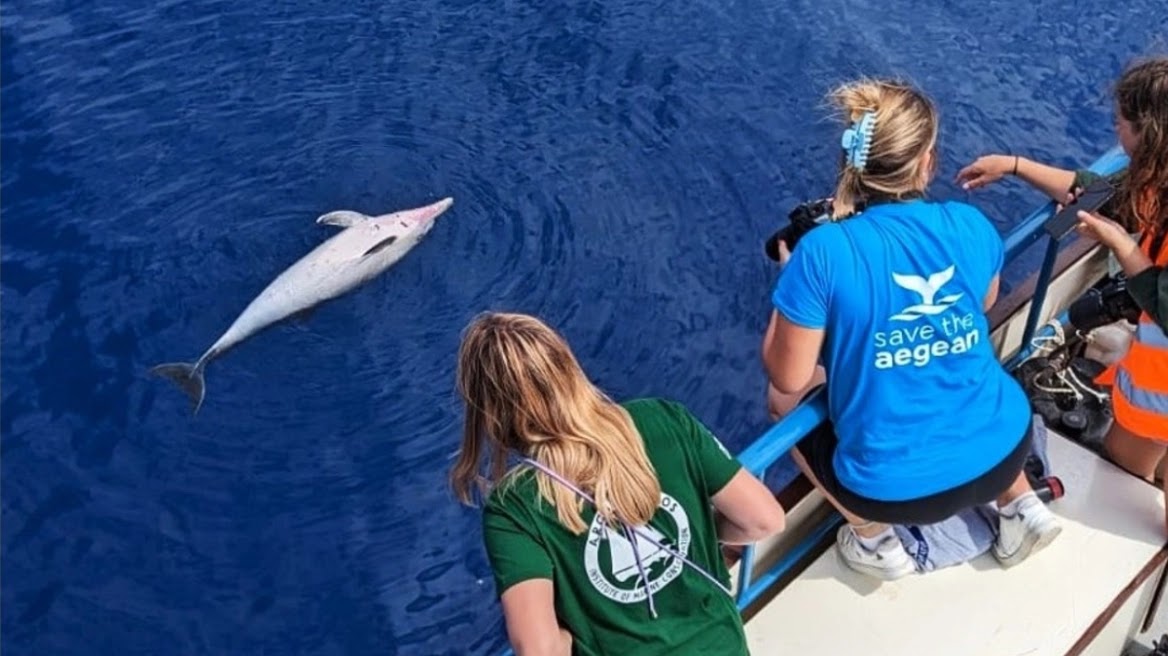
(1093, 197)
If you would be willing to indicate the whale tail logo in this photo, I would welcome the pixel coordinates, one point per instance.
(927, 289)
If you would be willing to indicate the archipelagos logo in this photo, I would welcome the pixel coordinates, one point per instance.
(614, 563)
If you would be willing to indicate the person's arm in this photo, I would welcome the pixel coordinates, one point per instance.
(985, 170)
(795, 333)
(991, 296)
(1149, 288)
(747, 510)
(523, 571)
(1146, 283)
(780, 404)
(790, 354)
(1131, 258)
(529, 611)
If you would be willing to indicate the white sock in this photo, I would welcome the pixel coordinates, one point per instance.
(871, 543)
(1011, 509)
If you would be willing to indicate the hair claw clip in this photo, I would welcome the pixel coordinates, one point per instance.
(857, 140)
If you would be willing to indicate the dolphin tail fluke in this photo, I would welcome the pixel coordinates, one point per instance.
(189, 378)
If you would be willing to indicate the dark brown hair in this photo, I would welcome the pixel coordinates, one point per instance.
(1141, 96)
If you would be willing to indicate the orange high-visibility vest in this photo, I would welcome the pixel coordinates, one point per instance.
(1139, 393)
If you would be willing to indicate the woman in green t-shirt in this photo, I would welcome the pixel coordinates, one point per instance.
(596, 510)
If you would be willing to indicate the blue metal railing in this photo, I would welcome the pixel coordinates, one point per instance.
(781, 437)
(757, 458)
(772, 445)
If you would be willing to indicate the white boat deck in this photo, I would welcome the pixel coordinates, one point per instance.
(1113, 528)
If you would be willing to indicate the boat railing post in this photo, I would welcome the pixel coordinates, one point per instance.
(745, 574)
(1040, 289)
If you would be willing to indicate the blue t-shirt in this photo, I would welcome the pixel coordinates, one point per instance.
(918, 398)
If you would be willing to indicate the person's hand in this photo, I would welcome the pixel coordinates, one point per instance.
(784, 253)
(1072, 196)
(985, 170)
(1114, 236)
(1105, 231)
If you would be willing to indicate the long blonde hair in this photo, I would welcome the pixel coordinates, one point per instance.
(525, 393)
(905, 131)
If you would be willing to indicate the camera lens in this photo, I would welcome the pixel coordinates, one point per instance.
(772, 245)
(1075, 420)
(1088, 312)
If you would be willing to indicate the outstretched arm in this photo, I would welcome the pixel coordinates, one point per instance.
(1050, 180)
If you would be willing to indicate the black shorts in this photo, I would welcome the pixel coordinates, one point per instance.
(818, 448)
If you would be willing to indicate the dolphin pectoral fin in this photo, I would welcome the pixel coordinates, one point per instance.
(341, 218)
(380, 246)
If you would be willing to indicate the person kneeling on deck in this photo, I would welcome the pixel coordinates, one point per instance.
(1138, 438)
(925, 421)
(603, 538)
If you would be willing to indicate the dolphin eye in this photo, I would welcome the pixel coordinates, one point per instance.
(381, 245)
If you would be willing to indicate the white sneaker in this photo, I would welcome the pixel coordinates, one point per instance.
(888, 561)
(1028, 530)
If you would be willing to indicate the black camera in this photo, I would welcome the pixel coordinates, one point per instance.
(1062, 389)
(1105, 303)
(802, 219)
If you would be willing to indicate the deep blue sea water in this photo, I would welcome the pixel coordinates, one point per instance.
(615, 168)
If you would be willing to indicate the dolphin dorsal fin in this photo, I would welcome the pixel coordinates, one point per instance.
(341, 219)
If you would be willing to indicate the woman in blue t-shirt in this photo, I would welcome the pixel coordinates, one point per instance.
(924, 420)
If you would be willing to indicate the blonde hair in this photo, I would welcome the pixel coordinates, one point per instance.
(905, 131)
(525, 393)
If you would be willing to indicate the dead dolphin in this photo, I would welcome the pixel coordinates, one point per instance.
(365, 247)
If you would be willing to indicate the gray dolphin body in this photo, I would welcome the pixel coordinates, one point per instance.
(365, 247)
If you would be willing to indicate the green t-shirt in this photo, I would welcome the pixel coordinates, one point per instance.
(600, 598)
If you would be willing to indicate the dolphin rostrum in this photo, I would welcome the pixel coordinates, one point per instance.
(365, 247)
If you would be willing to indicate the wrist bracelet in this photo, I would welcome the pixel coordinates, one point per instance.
(1015, 173)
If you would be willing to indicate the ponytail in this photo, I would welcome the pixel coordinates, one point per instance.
(902, 132)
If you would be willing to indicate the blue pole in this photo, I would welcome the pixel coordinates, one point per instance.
(745, 573)
(1040, 289)
(822, 530)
